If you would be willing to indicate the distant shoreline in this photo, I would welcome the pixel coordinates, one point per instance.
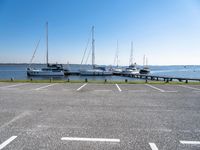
(97, 65)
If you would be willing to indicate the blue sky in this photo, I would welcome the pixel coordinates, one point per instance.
(167, 32)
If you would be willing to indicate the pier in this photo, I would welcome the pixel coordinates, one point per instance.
(149, 77)
(162, 78)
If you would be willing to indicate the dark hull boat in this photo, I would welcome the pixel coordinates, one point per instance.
(145, 71)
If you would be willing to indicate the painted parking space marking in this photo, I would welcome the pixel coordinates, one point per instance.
(89, 139)
(153, 87)
(46, 86)
(4, 144)
(190, 142)
(118, 87)
(81, 87)
(15, 85)
(20, 116)
(136, 91)
(188, 87)
(170, 91)
(153, 146)
(102, 90)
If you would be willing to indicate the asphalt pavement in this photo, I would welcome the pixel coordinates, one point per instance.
(85, 116)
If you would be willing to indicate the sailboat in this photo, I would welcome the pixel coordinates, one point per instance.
(132, 69)
(145, 69)
(117, 70)
(95, 71)
(50, 69)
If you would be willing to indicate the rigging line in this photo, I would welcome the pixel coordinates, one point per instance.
(116, 55)
(86, 47)
(131, 55)
(88, 55)
(34, 53)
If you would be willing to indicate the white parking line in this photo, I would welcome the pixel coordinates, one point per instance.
(137, 91)
(102, 90)
(7, 142)
(155, 88)
(81, 87)
(20, 116)
(9, 86)
(89, 139)
(153, 146)
(118, 87)
(190, 142)
(188, 87)
(170, 91)
(43, 87)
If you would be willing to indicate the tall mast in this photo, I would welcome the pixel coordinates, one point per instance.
(117, 53)
(93, 48)
(131, 56)
(144, 59)
(116, 56)
(47, 57)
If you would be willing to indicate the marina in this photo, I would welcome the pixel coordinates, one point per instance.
(161, 73)
(99, 75)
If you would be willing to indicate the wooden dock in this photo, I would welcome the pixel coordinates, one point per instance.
(163, 78)
(148, 77)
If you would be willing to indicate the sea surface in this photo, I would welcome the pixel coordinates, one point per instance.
(18, 72)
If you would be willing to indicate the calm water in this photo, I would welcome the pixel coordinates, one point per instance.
(18, 71)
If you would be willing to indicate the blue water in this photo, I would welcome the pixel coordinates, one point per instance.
(18, 71)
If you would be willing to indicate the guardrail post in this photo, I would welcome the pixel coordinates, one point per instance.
(146, 79)
(68, 80)
(105, 80)
(126, 80)
(186, 81)
(31, 79)
(86, 80)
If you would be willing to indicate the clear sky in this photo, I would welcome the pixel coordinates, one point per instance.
(166, 31)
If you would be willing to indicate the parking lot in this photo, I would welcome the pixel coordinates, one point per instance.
(84, 116)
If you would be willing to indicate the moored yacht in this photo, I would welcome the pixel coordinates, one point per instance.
(95, 71)
(132, 69)
(145, 69)
(116, 70)
(50, 69)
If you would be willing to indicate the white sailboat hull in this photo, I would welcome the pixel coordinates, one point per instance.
(40, 72)
(130, 72)
(117, 71)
